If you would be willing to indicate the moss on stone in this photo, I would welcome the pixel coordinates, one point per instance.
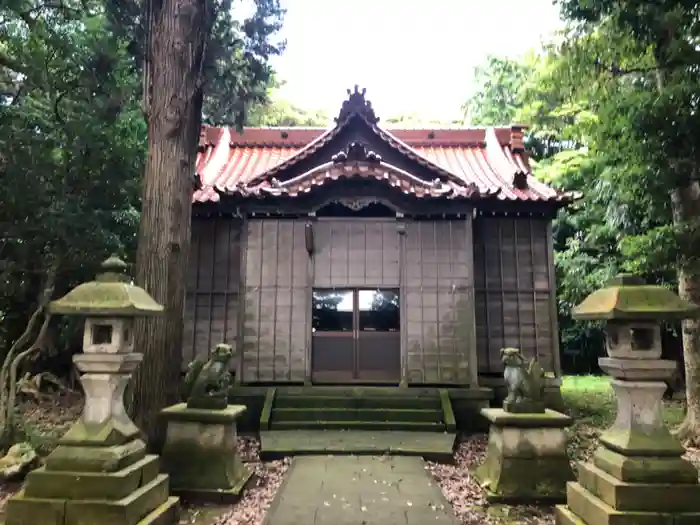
(95, 459)
(202, 456)
(114, 431)
(520, 468)
(110, 294)
(645, 469)
(631, 441)
(628, 298)
(525, 479)
(127, 511)
(22, 510)
(181, 412)
(43, 483)
(639, 497)
(594, 511)
(547, 419)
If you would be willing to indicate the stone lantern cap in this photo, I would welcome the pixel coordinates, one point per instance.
(628, 298)
(111, 294)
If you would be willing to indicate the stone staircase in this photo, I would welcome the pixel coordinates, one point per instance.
(400, 421)
(369, 408)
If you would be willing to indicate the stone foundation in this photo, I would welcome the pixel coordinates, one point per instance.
(200, 453)
(526, 458)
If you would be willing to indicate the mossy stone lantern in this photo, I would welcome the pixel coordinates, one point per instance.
(110, 305)
(100, 472)
(637, 475)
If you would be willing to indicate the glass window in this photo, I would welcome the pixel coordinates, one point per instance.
(379, 310)
(332, 311)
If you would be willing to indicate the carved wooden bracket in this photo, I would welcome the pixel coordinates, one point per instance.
(356, 152)
(357, 204)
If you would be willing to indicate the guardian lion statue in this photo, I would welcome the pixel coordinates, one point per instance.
(525, 383)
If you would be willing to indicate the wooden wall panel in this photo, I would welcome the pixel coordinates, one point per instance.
(513, 295)
(439, 302)
(356, 253)
(213, 287)
(277, 315)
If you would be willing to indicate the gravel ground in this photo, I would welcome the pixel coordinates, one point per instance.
(467, 498)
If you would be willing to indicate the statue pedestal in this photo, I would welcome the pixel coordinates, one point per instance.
(200, 453)
(526, 459)
(100, 472)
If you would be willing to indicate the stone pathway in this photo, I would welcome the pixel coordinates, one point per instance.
(354, 490)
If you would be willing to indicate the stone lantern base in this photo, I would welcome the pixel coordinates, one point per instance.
(200, 453)
(637, 476)
(112, 485)
(100, 472)
(526, 459)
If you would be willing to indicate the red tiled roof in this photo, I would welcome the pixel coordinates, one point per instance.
(476, 161)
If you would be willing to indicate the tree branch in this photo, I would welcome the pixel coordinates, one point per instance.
(617, 71)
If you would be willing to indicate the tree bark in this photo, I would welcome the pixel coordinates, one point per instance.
(686, 209)
(177, 34)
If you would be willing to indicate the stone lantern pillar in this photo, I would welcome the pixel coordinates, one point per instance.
(100, 472)
(637, 476)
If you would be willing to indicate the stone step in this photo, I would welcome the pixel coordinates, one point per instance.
(641, 497)
(131, 510)
(360, 402)
(594, 511)
(48, 484)
(436, 446)
(359, 391)
(363, 414)
(358, 425)
(127, 511)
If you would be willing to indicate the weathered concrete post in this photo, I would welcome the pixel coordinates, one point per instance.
(637, 475)
(100, 472)
(526, 459)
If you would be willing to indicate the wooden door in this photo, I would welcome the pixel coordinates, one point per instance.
(356, 336)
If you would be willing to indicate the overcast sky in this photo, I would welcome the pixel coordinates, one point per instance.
(413, 56)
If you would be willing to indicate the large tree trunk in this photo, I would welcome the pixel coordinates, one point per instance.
(686, 210)
(177, 34)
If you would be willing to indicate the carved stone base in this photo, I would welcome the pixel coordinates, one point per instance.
(201, 455)
(526, 459)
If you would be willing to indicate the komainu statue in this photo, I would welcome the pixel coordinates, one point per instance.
(525, 383)
(206, 384)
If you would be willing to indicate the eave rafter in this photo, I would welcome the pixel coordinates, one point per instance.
(381, 171)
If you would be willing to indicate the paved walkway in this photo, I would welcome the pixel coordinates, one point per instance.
(354, 490)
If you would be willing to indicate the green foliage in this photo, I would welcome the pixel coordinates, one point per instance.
(237, 72)
(276, 111)
(72, 139)
(73, 136)
(496, 99)
(613, 114)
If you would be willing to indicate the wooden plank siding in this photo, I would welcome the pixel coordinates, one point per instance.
(439, 302)
(513, 290)
(277, 313)
(356, 253)
(213, 287)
